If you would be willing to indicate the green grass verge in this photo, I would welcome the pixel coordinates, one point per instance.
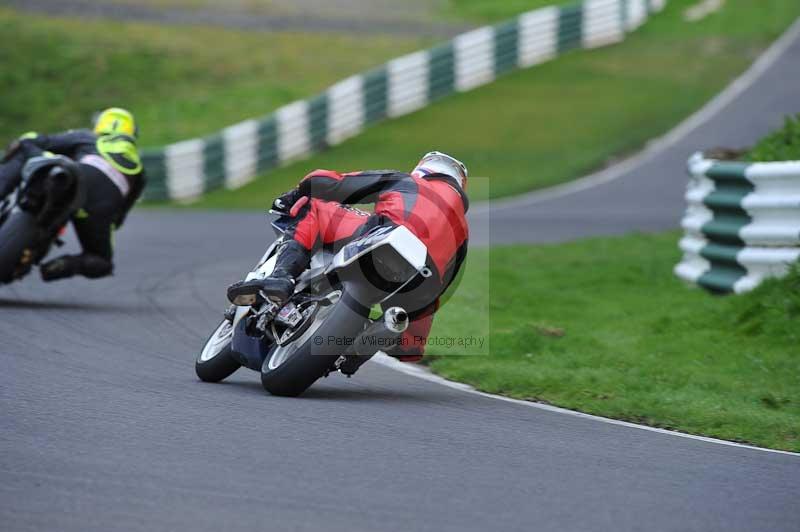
(604, 327)
(181, 82)
(560, 120)
(782, 145)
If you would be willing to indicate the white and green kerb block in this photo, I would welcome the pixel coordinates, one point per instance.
(236, 155)
(742, 223)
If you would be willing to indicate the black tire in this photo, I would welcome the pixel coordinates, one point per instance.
(16, 234)
(310, 360)
(217, 364)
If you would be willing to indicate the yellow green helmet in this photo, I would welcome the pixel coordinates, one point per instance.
(115, 121)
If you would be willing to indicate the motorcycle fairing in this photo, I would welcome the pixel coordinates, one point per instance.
(403, 241)
(249, 350)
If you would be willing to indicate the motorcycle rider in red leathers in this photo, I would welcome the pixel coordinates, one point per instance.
(430, 201)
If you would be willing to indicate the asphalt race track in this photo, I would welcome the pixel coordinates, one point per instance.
(104, 425)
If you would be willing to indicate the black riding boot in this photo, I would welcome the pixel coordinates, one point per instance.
(292, 260)
(86, 264)
(62, 267)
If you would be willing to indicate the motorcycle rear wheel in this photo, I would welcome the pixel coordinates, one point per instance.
(17, 234)
(289, 370)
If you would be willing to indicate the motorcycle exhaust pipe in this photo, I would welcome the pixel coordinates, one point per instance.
(380, 334)
(396, 320)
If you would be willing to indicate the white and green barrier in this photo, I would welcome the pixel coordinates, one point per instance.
(742, 223)
(234, 156)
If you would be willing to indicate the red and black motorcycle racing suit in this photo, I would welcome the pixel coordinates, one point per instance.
(431, 207)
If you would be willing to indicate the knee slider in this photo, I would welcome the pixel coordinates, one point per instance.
(94, 266)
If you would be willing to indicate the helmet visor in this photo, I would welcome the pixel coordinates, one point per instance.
(441, 163)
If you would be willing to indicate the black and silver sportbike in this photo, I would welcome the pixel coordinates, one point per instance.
(49, 193)
(325, 326)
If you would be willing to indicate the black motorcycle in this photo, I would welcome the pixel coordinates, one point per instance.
(49, 193)
(325, 326)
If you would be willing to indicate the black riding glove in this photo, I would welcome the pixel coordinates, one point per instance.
(285, 201)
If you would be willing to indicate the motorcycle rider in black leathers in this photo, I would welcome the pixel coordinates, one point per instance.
(109, 165)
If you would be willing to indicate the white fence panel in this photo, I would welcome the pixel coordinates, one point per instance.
(636, 15)
(294, 138)
(538, 36)
(408, 79)
(345, 110)
(602, 23)
(185, 172)
(241, 153)
(474, 57)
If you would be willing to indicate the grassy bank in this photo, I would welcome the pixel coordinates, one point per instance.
(555, 122)
(181, 82)
(782, 145)
(185, 81)
(602, 326)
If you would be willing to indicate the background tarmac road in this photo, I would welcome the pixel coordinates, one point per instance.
(105, 426)
(377, 17)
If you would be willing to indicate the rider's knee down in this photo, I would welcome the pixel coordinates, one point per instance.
(94, 266)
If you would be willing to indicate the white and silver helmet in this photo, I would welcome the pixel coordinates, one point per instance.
(436, 162)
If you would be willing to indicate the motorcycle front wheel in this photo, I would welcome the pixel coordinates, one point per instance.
(290, 369)
(215, 362)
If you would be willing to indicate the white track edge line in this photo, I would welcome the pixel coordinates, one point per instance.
(420, 372)
(660, 144)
